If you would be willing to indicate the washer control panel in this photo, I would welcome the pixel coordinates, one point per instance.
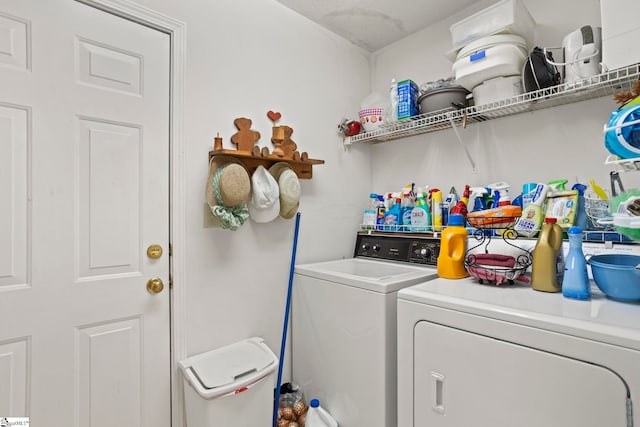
(402, 248)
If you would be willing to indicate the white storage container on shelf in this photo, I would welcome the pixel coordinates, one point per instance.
(506, 16)
(230, 386)
(500, 55)
(620, 33)
(497, 89)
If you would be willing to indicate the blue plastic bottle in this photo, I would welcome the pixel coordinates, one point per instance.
(581, 213)
(405, 211)
(576, 281)
(393, 217)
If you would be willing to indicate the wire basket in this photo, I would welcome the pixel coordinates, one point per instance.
(492, 222)
(598, 211)
(504, 266)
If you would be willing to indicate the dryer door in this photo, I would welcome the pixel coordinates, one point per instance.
(466, 379)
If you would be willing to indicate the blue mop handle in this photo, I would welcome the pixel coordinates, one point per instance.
(286, 320)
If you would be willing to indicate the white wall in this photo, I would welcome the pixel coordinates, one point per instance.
(245, 58)
(561, 142)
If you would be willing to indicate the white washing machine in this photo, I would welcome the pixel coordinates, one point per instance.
(473, 354)
(344, 326)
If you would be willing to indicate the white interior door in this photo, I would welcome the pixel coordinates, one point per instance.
(467, 379)
(84, 145)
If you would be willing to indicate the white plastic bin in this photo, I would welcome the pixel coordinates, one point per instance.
(506, 16)
(620, 33)
(230, 386)
(500, 55)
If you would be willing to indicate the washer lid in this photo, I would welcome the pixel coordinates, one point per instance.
(230, 364)
(377, 276)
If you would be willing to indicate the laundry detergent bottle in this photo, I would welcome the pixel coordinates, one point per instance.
(547, 267)
(453, 247)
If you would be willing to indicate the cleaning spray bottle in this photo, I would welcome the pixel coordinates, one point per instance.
(461, 207)
(405, 209)
(476, 201)
(532, 215)
(448, 204)
(420, 214)
(557, 186)
(393, 216)
(501, 193)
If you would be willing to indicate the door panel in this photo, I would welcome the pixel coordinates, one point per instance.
(464, 379)
(84, 146)
(14, 174)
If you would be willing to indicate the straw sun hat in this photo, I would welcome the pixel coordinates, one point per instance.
(228, 190)
(289, 189)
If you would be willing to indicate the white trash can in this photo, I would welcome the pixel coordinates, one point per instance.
(230, 386)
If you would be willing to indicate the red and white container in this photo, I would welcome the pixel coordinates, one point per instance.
(371, 118)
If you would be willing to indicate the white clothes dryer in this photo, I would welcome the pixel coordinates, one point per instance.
(473, 354)
(344, 326)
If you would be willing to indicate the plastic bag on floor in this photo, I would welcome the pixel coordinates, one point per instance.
(292, 409)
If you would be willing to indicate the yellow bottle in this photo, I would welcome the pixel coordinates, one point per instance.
(436, 215)
(547, 268)
(453, 247)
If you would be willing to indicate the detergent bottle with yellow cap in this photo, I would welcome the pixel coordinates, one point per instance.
(453, 247)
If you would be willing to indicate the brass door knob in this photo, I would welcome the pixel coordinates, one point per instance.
(155, 285)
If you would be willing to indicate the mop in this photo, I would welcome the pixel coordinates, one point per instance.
(286, 320)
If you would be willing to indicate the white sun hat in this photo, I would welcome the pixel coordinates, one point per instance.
(264, 205)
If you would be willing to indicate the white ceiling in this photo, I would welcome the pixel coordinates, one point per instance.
(373, 24)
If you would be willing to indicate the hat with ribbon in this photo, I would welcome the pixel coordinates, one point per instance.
(264, 205)
(228, 190)
(289, 185)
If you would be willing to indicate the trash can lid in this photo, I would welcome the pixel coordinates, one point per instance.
(232, 363)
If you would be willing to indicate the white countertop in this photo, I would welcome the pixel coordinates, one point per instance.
(599, 319)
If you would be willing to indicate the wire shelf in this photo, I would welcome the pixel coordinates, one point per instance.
(605, 84)
(623, 165)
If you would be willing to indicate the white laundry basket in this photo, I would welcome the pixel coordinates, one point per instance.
(230, 386)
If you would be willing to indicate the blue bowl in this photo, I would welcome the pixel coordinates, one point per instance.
(617, 276)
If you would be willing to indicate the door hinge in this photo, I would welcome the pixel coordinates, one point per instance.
(170, 282)
(170, 249)
(629, 412)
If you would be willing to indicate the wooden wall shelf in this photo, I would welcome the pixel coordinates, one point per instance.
(302, 168)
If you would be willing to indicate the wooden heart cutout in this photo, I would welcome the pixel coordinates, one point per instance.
(274, 116)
